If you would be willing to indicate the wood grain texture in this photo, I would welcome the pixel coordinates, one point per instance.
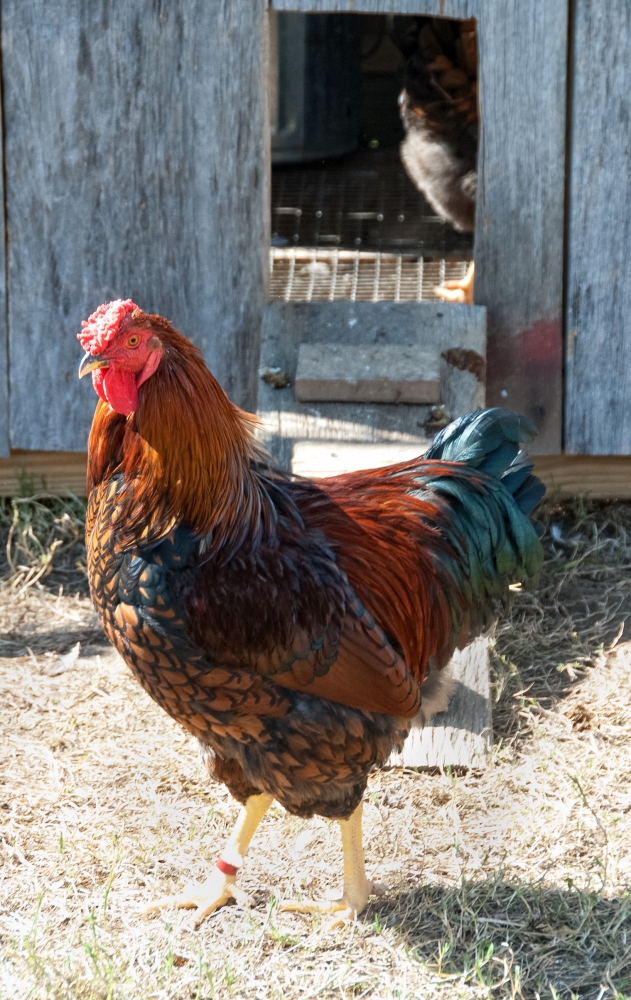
(598, 362)
(4, 333)
(376, 374)
(58, 472)
(520, 207)
(521, 190)
(458, 332)
(461, 736)
(319, 459)
(439, 8)
(602, 477)
(136, 152)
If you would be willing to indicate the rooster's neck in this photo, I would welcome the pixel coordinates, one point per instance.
(186, 455)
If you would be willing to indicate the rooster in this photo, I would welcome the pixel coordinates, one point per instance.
(439, 111)
(287, 624)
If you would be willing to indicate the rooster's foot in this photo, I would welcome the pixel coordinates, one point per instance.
(458, 291)
(345, 909)
(357, 888)
(216, 891)
(221, 886)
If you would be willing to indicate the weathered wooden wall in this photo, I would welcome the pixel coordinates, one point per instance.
(135, 166)
(5, 441)
(598, 362)
(520, 210)
(521, 186)
(136, 150)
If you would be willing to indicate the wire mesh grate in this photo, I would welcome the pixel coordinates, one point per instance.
(367, 203)
(300, 274)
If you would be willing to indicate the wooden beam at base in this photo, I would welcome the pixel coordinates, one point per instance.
(43, 471)
(461, 736)
(602, 477)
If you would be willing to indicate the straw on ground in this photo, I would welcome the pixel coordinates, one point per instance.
(513, 882)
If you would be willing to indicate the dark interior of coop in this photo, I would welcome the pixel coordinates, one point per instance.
(347, 222)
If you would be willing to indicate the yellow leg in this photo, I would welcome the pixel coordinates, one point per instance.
(357, 888)
(221, 886)
(458, 291)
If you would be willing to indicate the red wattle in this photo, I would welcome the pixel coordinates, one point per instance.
(121, 390)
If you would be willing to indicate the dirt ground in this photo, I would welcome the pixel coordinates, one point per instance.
(511, 882)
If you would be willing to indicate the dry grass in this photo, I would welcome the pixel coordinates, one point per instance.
(513, 882)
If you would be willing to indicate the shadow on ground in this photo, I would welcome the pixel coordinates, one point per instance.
(517, 940)
(91, 637)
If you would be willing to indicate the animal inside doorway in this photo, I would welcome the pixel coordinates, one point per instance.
(355, 226)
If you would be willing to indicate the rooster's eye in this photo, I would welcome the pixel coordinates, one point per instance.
(133, 341)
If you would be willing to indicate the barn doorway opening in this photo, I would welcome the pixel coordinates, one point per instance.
(356, 100)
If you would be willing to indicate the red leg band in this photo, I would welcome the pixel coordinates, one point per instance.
(226, 868)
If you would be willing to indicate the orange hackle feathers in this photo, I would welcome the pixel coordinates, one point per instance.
(185, 453)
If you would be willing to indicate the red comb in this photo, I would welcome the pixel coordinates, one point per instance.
(104, 324)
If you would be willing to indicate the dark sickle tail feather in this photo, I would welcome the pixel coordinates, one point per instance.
(486, 503)
(489, 440)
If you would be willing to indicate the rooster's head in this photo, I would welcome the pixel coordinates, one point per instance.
(123, 351)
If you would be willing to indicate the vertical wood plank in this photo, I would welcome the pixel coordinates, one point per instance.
(135, 160)
(598, 361)
(4, 333)
(520, 207)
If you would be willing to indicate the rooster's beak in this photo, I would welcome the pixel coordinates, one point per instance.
(90, 362)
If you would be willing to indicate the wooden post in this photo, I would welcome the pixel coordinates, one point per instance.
(136, 164)
(598, 359)
(520, 207)
(4, 332)
(461, 736)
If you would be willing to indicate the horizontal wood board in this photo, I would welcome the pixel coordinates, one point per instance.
(367, 374)
(429, 325)
(519, 234)
(136, 152)
(438, 8)
(598, 476)
(43, 471)
(601, 477)
(598, 359)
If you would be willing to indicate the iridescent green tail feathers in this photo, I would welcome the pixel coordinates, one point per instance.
(486, 503)
(489, 441)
